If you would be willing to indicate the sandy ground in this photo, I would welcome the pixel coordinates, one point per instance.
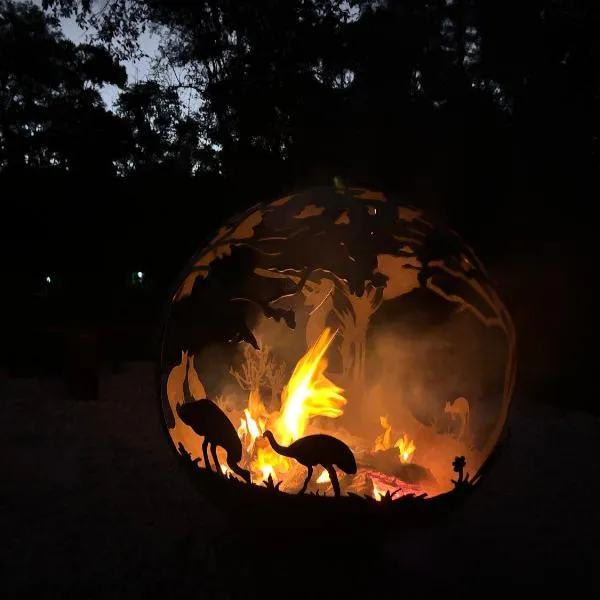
(94, 505)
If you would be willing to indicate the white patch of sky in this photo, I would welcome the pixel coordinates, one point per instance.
(137, 70)
(140, 69)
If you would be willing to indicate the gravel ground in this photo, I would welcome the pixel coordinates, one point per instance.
(94, 505)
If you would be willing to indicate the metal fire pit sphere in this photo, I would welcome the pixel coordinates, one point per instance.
(336, 350)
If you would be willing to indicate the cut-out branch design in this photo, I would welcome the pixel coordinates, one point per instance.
(445, 261)
(283, 244)
(255, 369)
(275, 240)
(436, 273)
(260, 368)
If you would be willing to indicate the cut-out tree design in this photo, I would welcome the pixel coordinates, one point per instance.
(253, 371)
(354, 323)
(260, 368)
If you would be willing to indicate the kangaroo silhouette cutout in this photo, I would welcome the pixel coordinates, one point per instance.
(461, 410)
(318, 449)
(209, 421)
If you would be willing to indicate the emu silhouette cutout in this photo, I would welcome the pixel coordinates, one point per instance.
(318, 449)
(208, 420)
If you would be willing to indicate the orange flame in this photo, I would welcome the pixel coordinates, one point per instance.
(308, 394)
(383, 441)
(405, 445)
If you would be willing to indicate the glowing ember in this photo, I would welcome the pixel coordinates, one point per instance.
(323, 477)
(382, 484)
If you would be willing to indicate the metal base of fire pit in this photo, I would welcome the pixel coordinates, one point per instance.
(261, 506)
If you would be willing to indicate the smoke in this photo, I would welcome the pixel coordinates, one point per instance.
(288, 344)
(413, 372)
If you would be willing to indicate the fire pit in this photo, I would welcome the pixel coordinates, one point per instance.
(335, 351)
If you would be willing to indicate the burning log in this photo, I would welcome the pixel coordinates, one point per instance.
(383, 484)
(374, 484)
(386, 461)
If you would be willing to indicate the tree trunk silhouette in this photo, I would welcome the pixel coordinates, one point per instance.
(354, 325)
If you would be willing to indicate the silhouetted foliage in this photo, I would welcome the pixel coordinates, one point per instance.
(164, 136)
(51, 113)
(270, 484)
(458, 465)
(363, 86)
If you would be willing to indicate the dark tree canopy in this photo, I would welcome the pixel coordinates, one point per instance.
(398, 92)
(163, 135)
(53, 117)
(51, 112)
